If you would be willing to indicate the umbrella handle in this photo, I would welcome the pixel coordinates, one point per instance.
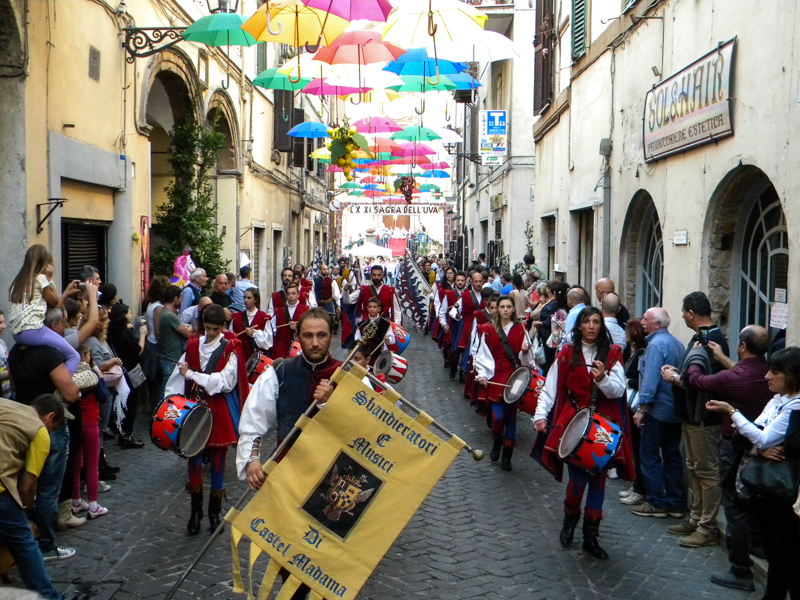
(432, 27)
(299, 75)
(421, 107)
(280, 25)
(313, 47)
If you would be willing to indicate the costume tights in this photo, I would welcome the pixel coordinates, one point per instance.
(504, 423)
(578, 481)
(216, 466)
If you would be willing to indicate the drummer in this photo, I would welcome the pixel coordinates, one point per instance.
(485, 315)
(593, 376)
(503, 347)
(213, 369)
(249, 324)
(361, 357)
(375, 329)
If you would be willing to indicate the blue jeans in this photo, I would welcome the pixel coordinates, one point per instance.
(18, 538)
(662, 464)
(45, 509)
(167, 367)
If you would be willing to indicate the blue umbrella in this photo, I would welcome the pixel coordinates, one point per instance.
(309, 129)
(436, 174)
(464, 81)
(417, 62)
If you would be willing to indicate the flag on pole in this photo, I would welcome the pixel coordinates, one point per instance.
(332, 507)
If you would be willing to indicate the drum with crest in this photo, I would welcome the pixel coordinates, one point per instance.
(295, 350)
(391, 366)
(182, 425)
(401, 337)
(256, 365)
(522, 389)
(590, 441)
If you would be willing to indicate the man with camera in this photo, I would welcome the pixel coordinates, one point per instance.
(701, 429)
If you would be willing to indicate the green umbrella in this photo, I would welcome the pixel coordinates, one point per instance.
(219, 29)
(416, 133)
(272, 80)
(420, 83)
(429, 187)
(355, 193)
(351, 185)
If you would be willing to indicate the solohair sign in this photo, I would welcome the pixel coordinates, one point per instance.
(692, 107)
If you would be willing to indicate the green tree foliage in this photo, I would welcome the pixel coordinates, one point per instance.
(188, 220)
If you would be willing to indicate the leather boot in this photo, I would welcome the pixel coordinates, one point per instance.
(214, 508)
(568, 529)
(196, 518)
(496, 447)
(505, 464)
(453, 370)
(591, 529)
(106, 471)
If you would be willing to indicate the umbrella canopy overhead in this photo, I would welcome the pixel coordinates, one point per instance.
(359, 48)
(416, 133)
(271, 79)
(436, 174)
(355, 10)
(319, 87)
(309, 129)
(219, 29)
(481, 46)
(464, 81)
(422, 83)
(455, 22)
(417, 62)
(377, 124)
(298, 24)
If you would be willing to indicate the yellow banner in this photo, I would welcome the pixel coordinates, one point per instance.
(332, 507)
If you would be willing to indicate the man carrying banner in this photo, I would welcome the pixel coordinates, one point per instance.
(327, 292)
(212, 368)
(278, 398)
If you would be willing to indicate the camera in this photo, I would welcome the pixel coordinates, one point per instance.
(81, 285)
(702, 336)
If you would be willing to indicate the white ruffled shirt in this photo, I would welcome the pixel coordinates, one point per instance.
(213, 383)
(483, 360)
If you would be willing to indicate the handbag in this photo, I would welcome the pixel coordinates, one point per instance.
(113, 376)
(538, 350)
(775, 480)
(136, 376)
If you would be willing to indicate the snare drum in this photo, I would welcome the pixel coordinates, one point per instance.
(590, 441)
(391, 366)
(182, 426)
(523, 389)
(295, 350)
(256, 365)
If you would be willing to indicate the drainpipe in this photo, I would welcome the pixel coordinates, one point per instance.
(605, 151)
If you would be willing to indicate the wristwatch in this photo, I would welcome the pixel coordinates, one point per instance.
(733, 410)
(672, 379)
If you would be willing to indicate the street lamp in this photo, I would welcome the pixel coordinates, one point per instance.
(470, 157)
(229, 6)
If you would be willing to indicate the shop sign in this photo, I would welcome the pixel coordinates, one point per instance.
(691, 108)
(497, 202)
(396, 209)
(493, 136)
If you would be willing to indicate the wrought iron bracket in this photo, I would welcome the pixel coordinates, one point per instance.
(476, 158)
(141, 42)
(53, 203)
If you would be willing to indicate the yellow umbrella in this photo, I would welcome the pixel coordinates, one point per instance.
(417, 23)
(382, 96)
(292, 22)
(321, 153)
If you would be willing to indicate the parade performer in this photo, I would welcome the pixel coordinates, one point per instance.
(346, 281)
(278, 300)
(441, 289)
(451, 322)
(588, 372)
(326, 290)
(469, 302)
(249, 324)
(376, 332)
(284, 322)
(503, 347)
(361, 357)
(471, 387)
(390, 304)
(307, 294)
(212, 369)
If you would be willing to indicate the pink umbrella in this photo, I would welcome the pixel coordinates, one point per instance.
(441, 165)
(354, 10)
(358, 48)
(318, 87)
(409, 149)
(376, 125)
(334, 169)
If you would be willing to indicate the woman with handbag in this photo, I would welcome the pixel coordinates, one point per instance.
(637, 342)
(588, 373)
(760, 478)
(503, 347)
(128, 345)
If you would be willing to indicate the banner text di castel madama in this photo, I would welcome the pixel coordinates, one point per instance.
(691, 107)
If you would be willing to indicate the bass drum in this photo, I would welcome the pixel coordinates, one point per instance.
(256, 365)
(391, 366)
(182, 426)
(523, 388)
(590, 441)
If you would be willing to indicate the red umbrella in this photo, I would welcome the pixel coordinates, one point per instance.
(385, 145)
(354, 10)
(318, 87)
(376, 125)
(358, 48)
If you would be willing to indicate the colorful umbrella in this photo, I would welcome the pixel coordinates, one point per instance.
(447, 135)
(219, 29)
(378, 124)
(309, 129)
(452, 21)
(355, 10)
(409, 149)
(271, 79)
(436, 174)
(416, 133)
(417, 62)
(374, 96)
(429, 187)
(463, 81)
(481, 46)
(318, 87)
(350, 185)
(421, 83)
(386, 145)
(359, 48)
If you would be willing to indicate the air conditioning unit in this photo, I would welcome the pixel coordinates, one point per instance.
(276, 157)
(465, 96)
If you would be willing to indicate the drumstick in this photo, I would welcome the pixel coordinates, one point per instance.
(500, 384)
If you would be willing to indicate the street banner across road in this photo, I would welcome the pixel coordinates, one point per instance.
(332, 507)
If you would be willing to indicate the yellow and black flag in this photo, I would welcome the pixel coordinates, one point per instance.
(332, 507)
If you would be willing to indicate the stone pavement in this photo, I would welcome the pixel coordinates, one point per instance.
(482, 533)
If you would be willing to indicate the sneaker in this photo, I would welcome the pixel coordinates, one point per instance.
(729, 580)
(625, 493)
(102, 487)
(60, 553)
(699, 539)
(632, 498)
(101, 510)
(82, 507)
(612, 473)
(687, 528)
(676, 514)
(645, 510)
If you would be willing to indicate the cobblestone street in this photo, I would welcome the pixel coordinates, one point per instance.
(482, 533)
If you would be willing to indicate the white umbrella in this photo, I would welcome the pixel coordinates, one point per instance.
(483, 46)
(449, 136)
(368, 249)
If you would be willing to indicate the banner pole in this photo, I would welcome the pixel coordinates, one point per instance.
(275, 454)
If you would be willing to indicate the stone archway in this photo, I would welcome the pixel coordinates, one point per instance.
(13, 226)
(221, 108)
(641, 255)
(747, 242)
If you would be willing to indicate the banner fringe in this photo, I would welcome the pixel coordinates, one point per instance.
(288, 588)
(255, 552)
(270, 575)
(238, 585)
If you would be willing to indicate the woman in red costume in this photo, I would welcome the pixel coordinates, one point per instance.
(249, 322)
(587, 372)
(504, 346)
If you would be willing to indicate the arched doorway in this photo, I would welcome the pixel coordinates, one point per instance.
(748, 264)
(642, 256)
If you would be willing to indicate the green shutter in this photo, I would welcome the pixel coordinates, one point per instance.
(579, 27)
(261, 57)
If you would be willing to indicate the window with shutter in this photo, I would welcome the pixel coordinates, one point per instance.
(282, 120)
(474, 125)
(298, 156)
(82, 245)
(261, 57)
(579, 28)
(543, 56)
